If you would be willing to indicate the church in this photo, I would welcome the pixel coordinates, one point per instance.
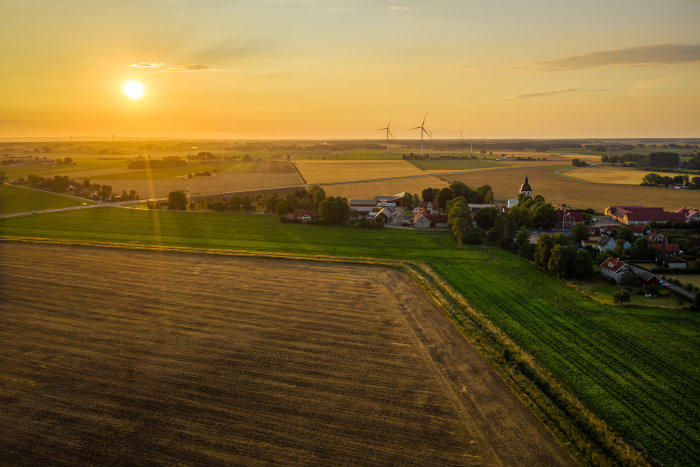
(525, 189)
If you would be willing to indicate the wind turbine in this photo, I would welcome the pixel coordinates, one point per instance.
(422, 130)
(388, 132)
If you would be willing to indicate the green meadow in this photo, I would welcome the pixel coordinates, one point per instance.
(634, 367)
(15, 199)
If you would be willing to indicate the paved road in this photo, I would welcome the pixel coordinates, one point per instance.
(674, 288)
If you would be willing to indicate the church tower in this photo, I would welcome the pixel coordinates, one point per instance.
(525, 189)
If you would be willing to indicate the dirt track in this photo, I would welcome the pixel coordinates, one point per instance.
(140, 357)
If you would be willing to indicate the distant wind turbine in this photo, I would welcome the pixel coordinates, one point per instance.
(422, 130)
(388, 132)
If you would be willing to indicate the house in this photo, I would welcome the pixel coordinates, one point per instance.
(567, 219)
(672, 262)
(668, 248)
(639, 230)
(302, 215)
(594, 231)
(609, 243)
(423, 220)
(691, 215)
(431, 207)
(631, 215)
(656, 237)
(613, 268)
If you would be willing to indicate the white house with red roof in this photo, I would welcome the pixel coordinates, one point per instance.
(614, 269)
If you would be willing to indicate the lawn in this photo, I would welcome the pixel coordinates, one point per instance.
(14, 199)
(634, 367)
(452, 164)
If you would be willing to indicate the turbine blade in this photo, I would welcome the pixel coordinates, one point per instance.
(389, 131)
(426, 116)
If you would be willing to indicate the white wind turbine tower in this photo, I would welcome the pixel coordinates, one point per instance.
(388, 132)
(422, 130)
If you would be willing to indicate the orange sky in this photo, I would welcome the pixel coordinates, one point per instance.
(342, 69)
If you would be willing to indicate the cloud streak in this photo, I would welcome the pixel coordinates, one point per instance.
(556, 92)
(648, 55)
(156, 66)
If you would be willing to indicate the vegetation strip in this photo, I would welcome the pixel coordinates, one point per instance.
(587, 437)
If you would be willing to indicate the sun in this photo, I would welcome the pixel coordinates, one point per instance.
(133, 89)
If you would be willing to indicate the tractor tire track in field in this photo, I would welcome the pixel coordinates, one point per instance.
(126, 356)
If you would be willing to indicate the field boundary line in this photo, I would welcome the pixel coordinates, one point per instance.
(587, 437)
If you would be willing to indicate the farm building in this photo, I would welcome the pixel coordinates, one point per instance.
(387, 214)
(631, 215)
(691, 215)
(672, 262)
(302, 215)
(431, 207)
(567, 219)
(645, 277)
(365, 206)
(614, 269)
(423, 220)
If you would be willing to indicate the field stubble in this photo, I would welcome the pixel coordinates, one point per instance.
(173, 357)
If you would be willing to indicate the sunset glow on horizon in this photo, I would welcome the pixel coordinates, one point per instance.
(342, 69)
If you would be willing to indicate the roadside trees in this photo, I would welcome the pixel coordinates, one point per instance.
(177, 200)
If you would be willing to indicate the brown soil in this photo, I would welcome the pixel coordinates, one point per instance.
(117, 356)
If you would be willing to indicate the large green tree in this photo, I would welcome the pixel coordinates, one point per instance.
(334, 210)
(177, 200)
(458, 217)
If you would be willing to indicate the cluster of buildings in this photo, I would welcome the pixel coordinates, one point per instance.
(633, 215)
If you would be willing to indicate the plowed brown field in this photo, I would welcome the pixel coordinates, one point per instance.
(135, 357)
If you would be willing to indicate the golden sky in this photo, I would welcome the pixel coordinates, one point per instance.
(342, 69)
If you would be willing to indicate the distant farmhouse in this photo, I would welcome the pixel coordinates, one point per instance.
(567, 219)
(632, 215)
(384, 206)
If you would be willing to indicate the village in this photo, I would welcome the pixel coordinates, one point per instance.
(635, 246)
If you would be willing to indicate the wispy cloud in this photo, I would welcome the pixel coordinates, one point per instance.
(397, 8)
(147, 65)
(178, 68)
(648, 55)
(556, 92)
(161, 67)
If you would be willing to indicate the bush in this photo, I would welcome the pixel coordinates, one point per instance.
(621, 297)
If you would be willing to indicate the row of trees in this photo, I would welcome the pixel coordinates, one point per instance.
(654, 179)
(670, 160)
(86, 189)
(481, 195)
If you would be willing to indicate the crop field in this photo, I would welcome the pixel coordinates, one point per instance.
(575, 193)
(315, 171)
(368, 190)
(15, 199)
(452, 164)
(174, 358)
(634, 367)
(615, 175)
(236, 176)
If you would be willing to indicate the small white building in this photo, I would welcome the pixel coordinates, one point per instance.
(614, 269)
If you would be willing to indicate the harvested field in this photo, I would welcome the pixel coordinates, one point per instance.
(184, 358)
(315, 171)
(617, 175)
(368, 190)
(575, 193)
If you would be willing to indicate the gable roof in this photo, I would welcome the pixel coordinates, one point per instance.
(613, 265)
(645, 214)
(667, 247)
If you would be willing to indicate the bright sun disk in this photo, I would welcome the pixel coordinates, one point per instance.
(133, 89)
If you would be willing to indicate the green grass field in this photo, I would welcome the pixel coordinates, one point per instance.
(453, 164)
(634, 367)
(15, 199)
